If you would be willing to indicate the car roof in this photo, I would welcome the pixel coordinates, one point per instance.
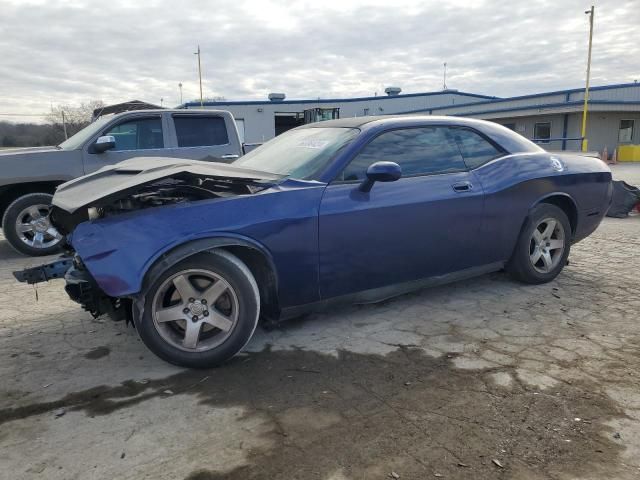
(380, 120)
(507, 139)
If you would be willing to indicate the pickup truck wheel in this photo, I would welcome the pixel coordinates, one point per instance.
(27, 228)
(543, 247)
(201, 311)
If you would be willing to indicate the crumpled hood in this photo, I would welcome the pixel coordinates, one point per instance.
(116, 180)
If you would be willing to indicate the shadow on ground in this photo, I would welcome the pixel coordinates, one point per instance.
(365, 416)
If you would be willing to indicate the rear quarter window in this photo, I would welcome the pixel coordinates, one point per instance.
(475, 149)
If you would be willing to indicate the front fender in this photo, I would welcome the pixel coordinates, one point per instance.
(121, 272)
(173, 255)
(281, 222)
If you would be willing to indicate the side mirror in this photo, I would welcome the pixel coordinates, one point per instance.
(104, 143)
(380, 172)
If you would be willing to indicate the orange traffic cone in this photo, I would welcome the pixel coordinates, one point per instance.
(614, 157)
(605, 155)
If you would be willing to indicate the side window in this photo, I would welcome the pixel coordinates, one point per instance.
(474, 148)
(418, 151)
(200, 131)
(138, 134)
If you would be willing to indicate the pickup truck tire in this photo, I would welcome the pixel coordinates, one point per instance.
(26, 225)
(201, 311)
(543, 246)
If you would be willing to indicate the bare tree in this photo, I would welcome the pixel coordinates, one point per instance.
(73, 118)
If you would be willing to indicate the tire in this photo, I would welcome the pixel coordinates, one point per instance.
(37, 237)
(175, 311)
(535, 242)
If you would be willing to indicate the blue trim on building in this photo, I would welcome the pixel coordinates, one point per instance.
(335, 100)
(524, 107)
(488, 98)
(535, 95)
(565, 128)
(565, 123)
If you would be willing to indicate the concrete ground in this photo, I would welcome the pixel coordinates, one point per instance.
(485, 378)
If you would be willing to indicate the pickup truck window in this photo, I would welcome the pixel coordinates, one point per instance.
(138, 134)
(200, 131)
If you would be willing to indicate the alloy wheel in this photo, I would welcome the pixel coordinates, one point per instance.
(34, 227)
(195, 310)
(546, 245)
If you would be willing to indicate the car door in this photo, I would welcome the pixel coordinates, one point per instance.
(477, 150)
(207, 137)
(424, 224)
(136, 136)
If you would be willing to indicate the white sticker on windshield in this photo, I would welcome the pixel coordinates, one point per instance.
(310, 143)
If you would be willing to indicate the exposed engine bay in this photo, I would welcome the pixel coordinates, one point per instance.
(135, 184)
(150, 182)
(164, 192)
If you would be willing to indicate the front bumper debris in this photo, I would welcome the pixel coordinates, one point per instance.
(44, 273)
(80, 286)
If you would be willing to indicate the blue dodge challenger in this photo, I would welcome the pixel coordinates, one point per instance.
(356, 210)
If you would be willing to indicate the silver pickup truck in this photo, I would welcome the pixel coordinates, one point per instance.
(29, 177)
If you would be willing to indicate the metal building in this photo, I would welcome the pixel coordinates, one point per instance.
(552, 119)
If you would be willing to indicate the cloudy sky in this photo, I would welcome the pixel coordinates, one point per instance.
(64, 52)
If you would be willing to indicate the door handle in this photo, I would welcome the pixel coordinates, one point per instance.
(229, 156)
(462, 187)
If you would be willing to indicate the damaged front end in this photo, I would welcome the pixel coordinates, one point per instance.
(133, 185)
(80, 286)
(150, 182)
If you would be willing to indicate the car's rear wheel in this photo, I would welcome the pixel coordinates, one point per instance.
(543, 247)
(201, 311)
(27, 228)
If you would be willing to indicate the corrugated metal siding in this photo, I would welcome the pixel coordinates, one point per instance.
(630, 93)
(259, 125)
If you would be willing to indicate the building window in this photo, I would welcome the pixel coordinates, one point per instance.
(625, 134)
(365, 112)
(542, 132)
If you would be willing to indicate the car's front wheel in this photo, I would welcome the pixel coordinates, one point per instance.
(27, 228)
(543, 247)
(201, 311)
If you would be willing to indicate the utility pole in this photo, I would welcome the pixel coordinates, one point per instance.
(586, 88)
(161, 102)
(180, 87)
(64, 125)
(200, 76)
(444, 77)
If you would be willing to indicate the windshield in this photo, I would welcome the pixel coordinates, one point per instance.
(77, 140)
(298, 153)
